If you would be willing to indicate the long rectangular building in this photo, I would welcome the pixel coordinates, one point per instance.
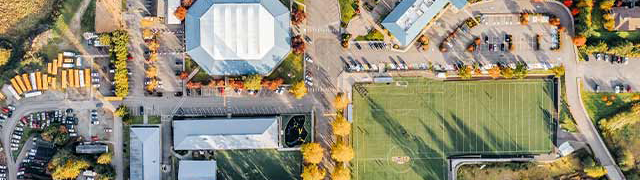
(222, 133)
(144, 162)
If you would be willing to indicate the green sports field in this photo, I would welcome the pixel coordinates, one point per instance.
(408, 128)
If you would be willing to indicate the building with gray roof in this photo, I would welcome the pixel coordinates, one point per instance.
(225, 133)
(92, 148)
(238, 37)
(144, 154)
(197, 170)
(408, 18)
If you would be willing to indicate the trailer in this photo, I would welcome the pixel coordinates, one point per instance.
(76, 78)
(45, 81)
(81, 77)
(55, 67)
(39, 79)
(32, 94)
(32, 78)
(49, 67)
(70, 78)
(23, 88)
(87, 77)
(25, 79)
(15, 85)
(64, 79)
(68, 60)
(60, 59)
(14, 93)
(53, 83)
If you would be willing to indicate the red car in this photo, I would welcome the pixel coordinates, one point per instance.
(5, 110)
(94, 138)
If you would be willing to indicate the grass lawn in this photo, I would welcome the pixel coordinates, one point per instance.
(154, 120)
(562, 167)
(201, 76)
(598, 109)
(126, 138)
(137, 120)
(264, 164)
(346, 10)
(373, 35)
(88, 22)
(428, 121)
(290, 69)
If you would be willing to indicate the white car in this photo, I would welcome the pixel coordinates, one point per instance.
(308, 59)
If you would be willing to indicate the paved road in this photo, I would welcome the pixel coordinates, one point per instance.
(585, 125)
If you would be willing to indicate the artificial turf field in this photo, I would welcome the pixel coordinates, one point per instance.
(407, 129)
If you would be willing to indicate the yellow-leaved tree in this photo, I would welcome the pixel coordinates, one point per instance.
(105, 158)
(342, 152)
(341, 126)
(70, 169)
(312, 153)
(341, 101)
(298, 90)
(312, 172)
(341, 172)
(595, 171)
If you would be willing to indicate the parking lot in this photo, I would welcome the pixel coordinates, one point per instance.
(607, 75)
(101, 127)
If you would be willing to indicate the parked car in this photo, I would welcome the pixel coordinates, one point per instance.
(308, 58)
(599, 57)
(618, 88)
(108, 130)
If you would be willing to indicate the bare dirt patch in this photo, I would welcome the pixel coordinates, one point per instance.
(108, 15)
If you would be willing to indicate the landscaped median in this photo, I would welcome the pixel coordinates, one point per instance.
(348, 9)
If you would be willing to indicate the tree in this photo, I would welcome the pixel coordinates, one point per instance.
(627, 160)
(575, 11)
(151, 72)
(585, 3)
(609, 25)
(521, 71)
(595, 171)
(180, 13)
(312, 172)
(607, 4)
(151, 87)
(153, 46)
(104, 158)
(187, 3)
(298, 90)
(341, 172)
(558, 70)
(465, 72)
(579, 40)
(105, 171)
(147, 34)
(298, 16)
(5, 54)
(253, 82)
(312, 152)
(567, 3)
(105, 39)
(70, 169)
(121, 111)
(297, 43)
(494, 72)
(340, 102)
(507, 72)
(342, 152)
(341, 126)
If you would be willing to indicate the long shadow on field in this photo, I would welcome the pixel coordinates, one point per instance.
(409, 143)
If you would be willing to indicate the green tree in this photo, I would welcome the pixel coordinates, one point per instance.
(105, 170)
(342, 152)
(298, 90)
(521, 71)
(595, 171)
(312, 153)
(507, 72)
(312, 172)
(601, 47)
(5, 54)
(465, 72)
(253, 82)
(558, 71)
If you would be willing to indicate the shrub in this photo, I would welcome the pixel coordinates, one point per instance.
(558, 71)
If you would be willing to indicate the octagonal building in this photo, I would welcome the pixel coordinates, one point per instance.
(238, 37)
